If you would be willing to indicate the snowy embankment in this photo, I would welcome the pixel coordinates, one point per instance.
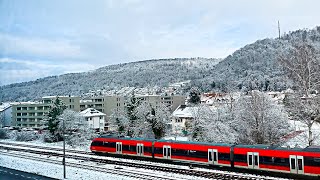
(53, 170)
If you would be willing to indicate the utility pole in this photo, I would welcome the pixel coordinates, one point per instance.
(64, 151)
(279, 29)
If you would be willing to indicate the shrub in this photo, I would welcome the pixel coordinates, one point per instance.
(4, 134)
(27, 136)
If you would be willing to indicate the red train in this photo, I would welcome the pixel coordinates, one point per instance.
(257, 157)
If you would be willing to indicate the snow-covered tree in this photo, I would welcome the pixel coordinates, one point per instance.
(149, 121)
(259, 119)
(302, 64)
(305, 110)
(75, 128)
(120, 121)
(194, 96)
(208, 126)
(131, 113)
(152, 121)
(52, 120)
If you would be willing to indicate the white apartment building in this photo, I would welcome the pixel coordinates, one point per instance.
(95, 118)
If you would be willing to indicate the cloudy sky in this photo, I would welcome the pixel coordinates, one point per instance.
(40, 38)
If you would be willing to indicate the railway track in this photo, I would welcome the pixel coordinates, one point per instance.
(128, 173)
(79, 155)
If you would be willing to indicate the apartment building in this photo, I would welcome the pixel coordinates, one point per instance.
(109, 104)
(31, 114)
(5, 114)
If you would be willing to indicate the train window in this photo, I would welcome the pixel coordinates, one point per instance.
(169, 151)
(198, 154)
(316, 159)
(250, 159)
(109, 144)
(210, 156)
(256, 161)
(158, 150)
(126, 147)
(311, 161)
(164, 152)
(293, 163)
(147, 149)
(300, 164)
(179, 152)
(215, 156)
(97, 143)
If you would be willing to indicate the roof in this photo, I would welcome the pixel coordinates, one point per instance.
(90, 112)
(5, 106)
(184, 111)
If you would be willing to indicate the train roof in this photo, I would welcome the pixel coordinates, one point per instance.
(196, 142)
(125, 138)
(272, 147)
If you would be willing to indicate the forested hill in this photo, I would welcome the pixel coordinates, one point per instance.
(253, 66)
(256, 66)
(138, 74)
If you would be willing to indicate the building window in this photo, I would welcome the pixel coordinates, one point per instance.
(101, 117)
(18, 114)
(18, 108)
(18, 119)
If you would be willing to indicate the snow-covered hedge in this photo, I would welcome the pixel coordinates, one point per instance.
(4, 134)
(27, 136)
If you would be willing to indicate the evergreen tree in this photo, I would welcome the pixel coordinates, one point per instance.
(52, 120)
(194, 96)
(131, 110)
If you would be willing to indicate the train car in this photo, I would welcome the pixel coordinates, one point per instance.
(194, 152)
(268, 158)
(303, 162)
(124, 146)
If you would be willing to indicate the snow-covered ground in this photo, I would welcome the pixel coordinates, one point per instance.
(301, 140)
(55, 171)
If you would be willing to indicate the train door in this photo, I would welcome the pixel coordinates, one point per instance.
(213, 156)
(119, 147)
(167, 152)
(296, 164)
(253, 160)
(140, 149)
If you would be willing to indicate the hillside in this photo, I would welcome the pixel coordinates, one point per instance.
(138, 74)
(254, 66)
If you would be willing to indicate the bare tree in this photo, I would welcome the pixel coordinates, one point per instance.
(303, 66)
(260, 120)
(302, 63)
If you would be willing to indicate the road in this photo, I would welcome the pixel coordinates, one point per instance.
(10, 174)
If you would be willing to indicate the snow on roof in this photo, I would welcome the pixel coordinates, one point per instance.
(19, 103)
(5, 106)
(183, 111)
(85, 100)
(90, 112)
